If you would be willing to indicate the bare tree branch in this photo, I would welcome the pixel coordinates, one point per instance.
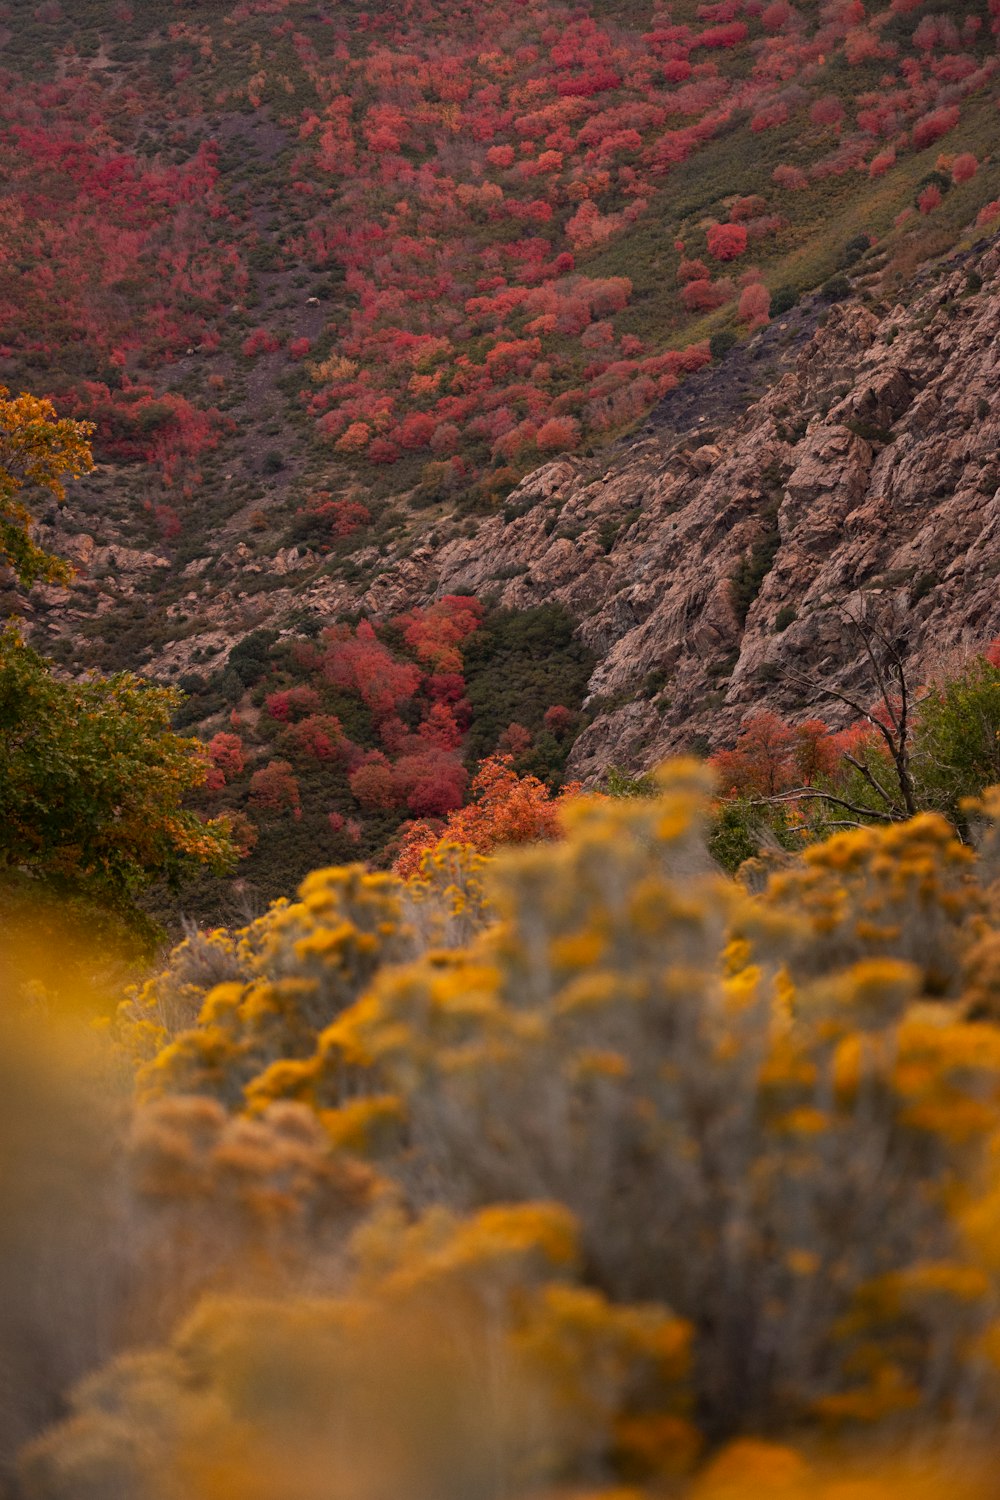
(887, 668)
(817, 794)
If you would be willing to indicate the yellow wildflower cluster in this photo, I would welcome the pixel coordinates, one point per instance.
(229, 1005)
(579, 1174)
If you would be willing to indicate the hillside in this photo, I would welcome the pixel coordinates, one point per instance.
(704, 563)
(371, 307)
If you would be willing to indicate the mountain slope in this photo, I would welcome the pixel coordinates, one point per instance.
(869, 466)
(372, 307)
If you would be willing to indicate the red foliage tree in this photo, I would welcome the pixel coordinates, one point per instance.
(375, 785)
(435, 634)
(441, 728)
(226, 752)
(361, 663)
(559, 720)
(515, 740)
(771, 757)
(762, 762)
(727, 241)
(289, 704)
(274, 788)
(319, 737)
(432, 781)
(558, 434)
(506, 809)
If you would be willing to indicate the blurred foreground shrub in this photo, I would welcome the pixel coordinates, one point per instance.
(582, 1172)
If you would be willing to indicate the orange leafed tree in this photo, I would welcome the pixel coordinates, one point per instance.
(37, 450)
(505, 809)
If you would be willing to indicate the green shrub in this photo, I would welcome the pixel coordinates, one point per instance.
(783, 300)
(721, 343)
(837, 289)
(753, 568)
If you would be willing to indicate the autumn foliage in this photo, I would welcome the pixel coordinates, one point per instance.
(446, 212)
(457, 1169)
(504, 808)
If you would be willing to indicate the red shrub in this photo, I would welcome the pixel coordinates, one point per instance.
(261, 341)
(755, 305)
(827, 111)
(727, 241)
(705, 296)
(964, 167)
(693, 270)
(292, 703)
(775, 17)
(747, 208)
(274, 788)
(881, 163)
(383, 451)
(933, 126)
(770, 116)
(790, 178)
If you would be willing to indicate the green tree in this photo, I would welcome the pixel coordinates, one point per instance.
(956, 741)
(93, 781)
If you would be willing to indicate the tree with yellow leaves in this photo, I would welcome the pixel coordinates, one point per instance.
(38, 450)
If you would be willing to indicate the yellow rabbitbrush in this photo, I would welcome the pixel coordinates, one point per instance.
(748, 1143)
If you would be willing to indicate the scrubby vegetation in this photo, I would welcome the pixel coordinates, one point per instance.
(932, 749)
(638, 1144)
(452, 239)
(577, 1170)
(331, 744)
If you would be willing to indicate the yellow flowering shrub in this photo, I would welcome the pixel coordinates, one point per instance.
(581, 1173)
(906, 890)
(229, 1005)
(463, 1359)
